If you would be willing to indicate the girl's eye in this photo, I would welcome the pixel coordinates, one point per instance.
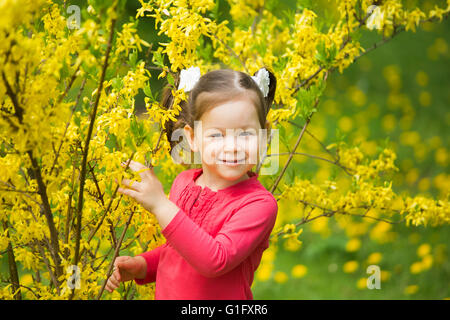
(218, 135)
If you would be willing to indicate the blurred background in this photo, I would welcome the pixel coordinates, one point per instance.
(396, 96)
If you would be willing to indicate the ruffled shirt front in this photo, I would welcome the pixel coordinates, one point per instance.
(215, 241)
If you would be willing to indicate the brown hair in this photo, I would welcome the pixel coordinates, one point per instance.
(215, 88)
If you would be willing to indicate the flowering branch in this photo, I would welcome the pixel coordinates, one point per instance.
(88, 139)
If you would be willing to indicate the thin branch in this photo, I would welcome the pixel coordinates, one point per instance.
(116, 253)
(17, 108)
(47, 211)
(42, 190)
(320, 142)
(86, 148)
(26, 193)
(72, 80)
(329, 213)
(263, 158)
(67, 126)
(113, 197)
(304, 82)
(277, 181)
(28, 288)
(14, 275)
(335, 162)
(50, 271)
(257, 18)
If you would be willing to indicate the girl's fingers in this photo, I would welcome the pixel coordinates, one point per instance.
(117, 276)
(128, 192)
(133, 184)
(110, 287)
(137, 167)
(114, 280)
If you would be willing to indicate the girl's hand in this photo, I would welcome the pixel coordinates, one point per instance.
(149, 192)
(126, 269)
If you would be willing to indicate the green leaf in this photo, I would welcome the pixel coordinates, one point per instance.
(148, 92)
(132, 58)
(112, 142)
(117, 83)
(214, 14)
(158, 59)
(129, 143)
(325, 55)
(321, 54)
(170, 79)
(108, 188)
(77, 120)
(134, 127)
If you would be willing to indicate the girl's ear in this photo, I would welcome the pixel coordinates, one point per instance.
(189, 134)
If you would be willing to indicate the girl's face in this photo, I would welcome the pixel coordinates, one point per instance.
(228, 138)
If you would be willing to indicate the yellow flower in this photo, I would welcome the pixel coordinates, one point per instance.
(413, 19)
(421, 78)
(409, 138)
(389, 122)
(424, 184)
(441, 156)
(26, 279)
(425, 98)
(350, 266)
(345, 123)
(280, 277)
(374, 258)
(264, 271)
(292, 244)
(353, 245)
(427, 262)
(361, 283)
(416, 267)
(320, 225)
(423, 250)
(385, 275)
(299, 271)
(411, 289)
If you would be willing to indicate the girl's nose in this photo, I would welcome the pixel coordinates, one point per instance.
(230, 143)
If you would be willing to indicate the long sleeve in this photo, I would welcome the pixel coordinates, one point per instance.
(152, 259)
(236, 240)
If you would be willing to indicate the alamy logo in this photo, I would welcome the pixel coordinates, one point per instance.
(74, 20)
(374, 280)
(74, 281)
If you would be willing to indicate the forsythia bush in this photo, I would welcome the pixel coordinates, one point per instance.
(68, 83)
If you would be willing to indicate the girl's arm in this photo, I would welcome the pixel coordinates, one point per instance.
(238, 238)
(211, 256)
(152, 260)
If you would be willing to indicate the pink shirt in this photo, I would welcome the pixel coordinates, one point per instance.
(214, 243)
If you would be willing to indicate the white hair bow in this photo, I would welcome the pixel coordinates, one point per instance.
(189, 78)
(262, 80)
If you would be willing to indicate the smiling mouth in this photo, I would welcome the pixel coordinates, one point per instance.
(231, 161)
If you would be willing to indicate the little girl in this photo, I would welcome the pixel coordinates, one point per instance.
(218, 218)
